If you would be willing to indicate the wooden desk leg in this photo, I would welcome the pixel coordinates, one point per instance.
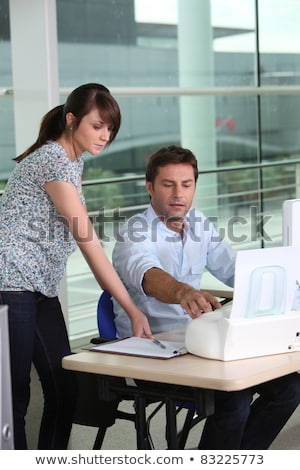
(142, 440)
(171, 424)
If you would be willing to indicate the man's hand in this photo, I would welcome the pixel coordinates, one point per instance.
(195, 302)
(167, 289)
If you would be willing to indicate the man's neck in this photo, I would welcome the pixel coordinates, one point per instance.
(175, 224)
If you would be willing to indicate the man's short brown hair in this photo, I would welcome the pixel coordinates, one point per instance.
(167, 155)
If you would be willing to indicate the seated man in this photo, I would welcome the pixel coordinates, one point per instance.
(160, 256)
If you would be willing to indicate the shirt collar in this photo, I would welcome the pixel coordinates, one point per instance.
(151, 215)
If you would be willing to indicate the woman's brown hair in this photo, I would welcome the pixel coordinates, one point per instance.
(79, 102)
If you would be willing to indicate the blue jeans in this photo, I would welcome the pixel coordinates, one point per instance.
(241, 422)
(38, 335)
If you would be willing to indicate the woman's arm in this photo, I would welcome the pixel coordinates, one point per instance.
(67, 203)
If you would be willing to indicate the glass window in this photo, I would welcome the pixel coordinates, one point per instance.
(183, 72)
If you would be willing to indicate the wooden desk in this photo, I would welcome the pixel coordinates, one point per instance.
(187, 370)
(202, 375)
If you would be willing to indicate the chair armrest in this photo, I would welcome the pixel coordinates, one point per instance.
(99, 340)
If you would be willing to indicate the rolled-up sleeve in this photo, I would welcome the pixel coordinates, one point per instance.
(132, 259)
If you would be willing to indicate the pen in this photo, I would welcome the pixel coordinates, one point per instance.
(158, 343)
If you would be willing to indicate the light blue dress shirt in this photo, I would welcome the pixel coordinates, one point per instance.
(145, 242)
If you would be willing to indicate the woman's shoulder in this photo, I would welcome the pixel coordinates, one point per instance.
(52, 155)
(51, 150)
(45, 154)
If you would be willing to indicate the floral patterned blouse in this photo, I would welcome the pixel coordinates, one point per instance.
(35, 243)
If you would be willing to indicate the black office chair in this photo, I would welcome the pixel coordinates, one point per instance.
(107, 330)
(97, 404)
(91, 409)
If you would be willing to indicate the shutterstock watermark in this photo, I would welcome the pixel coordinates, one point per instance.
(236, 229)
(109, 223)
(255, 223)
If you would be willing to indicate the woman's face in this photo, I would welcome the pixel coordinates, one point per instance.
(92, 134)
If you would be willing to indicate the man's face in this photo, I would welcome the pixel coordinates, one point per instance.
(172, 193)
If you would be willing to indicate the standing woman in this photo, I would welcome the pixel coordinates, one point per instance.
(43, 217)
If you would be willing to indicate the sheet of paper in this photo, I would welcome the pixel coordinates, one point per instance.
(144, 347)
(265, 281)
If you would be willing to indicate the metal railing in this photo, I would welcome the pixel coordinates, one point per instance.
(190, 91)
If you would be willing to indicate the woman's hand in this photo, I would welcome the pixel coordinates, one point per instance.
(140, 326)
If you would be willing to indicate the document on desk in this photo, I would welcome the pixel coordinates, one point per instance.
(143, 347)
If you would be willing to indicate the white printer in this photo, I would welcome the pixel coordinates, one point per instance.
(264, 316)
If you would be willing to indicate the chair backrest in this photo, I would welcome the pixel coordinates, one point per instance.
(105, 316)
